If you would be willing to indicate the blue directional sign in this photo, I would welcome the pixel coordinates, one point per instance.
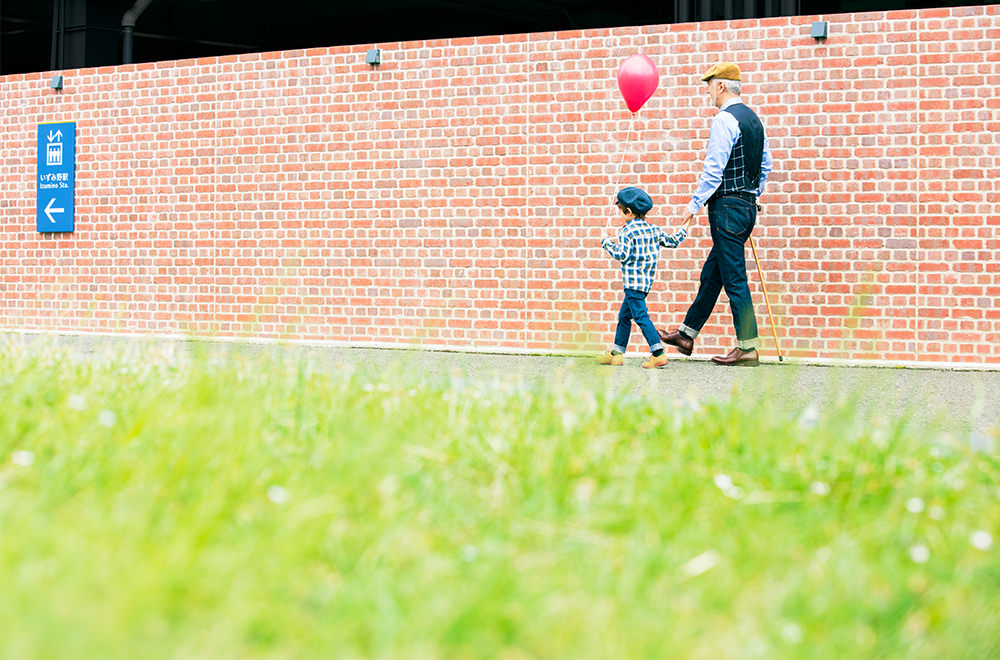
(56, 167)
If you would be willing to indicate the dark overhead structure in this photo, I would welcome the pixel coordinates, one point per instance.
(42, 35)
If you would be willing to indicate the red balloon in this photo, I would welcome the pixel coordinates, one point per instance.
(637, 80)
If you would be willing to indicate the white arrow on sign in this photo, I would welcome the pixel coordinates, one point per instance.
(55, 136)
(49, 210)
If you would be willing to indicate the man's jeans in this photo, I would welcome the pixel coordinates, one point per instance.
(731, 220)
(634, 309)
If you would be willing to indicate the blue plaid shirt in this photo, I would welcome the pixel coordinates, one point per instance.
(638, 248)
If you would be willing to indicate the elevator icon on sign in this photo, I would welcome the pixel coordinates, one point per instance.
(54, 153)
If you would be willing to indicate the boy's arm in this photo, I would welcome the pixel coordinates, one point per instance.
(621, 250)
(673, 240)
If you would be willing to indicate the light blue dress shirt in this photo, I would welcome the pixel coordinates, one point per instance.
(722, 138)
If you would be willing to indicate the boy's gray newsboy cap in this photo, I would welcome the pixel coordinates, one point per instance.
(635, 199)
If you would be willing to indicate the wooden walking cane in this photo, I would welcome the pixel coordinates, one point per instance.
(760, 273)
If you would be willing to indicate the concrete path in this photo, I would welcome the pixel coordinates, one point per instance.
(959, 402)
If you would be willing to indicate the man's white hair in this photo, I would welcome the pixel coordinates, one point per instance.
(732, 86)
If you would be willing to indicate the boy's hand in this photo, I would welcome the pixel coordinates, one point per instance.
(611, 230)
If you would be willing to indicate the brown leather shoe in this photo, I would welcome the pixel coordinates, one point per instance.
(683, 345)
(738, 358)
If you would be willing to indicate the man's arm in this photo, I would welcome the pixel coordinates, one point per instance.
(765, 167)
(722, 137)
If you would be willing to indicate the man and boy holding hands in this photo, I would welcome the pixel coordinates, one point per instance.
(735, 170)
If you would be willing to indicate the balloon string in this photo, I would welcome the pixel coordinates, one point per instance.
(628, 134)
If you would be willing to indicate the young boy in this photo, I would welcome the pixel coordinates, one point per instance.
(638, 248)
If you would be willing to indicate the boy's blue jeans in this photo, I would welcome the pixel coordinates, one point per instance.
(634, 309)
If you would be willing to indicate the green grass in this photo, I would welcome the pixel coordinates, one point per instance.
(155, 504)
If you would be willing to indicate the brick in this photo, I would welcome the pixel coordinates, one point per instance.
(458, 193)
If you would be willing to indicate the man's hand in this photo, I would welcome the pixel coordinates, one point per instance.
(686, 219)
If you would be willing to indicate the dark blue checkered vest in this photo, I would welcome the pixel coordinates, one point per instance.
(742, 172)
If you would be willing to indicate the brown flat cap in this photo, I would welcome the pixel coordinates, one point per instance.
(723, 71)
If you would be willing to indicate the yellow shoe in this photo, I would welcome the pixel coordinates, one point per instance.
(655, 362)
(610, 358)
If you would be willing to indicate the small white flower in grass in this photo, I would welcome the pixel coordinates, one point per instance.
(820, 488)
(76, 402)
(809, 417)
(723, 481)
(880, 438)
(936, 513)
(106, 418)
(791, 632)
(981, 540)
(388, 487)
(584, 490)
(368, 387)
(23, 458)
(568, 420)
(919, 553)
(914, 505)
(734, 493)
(277, 494)
(695, 566)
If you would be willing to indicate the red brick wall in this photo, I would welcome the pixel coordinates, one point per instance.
(455, 196)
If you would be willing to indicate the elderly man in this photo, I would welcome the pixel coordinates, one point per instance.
(736, 167)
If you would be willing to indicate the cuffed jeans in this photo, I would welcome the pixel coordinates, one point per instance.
(731, 221)
(634, 309)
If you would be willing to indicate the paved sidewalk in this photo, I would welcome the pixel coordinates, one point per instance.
(960, 402)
